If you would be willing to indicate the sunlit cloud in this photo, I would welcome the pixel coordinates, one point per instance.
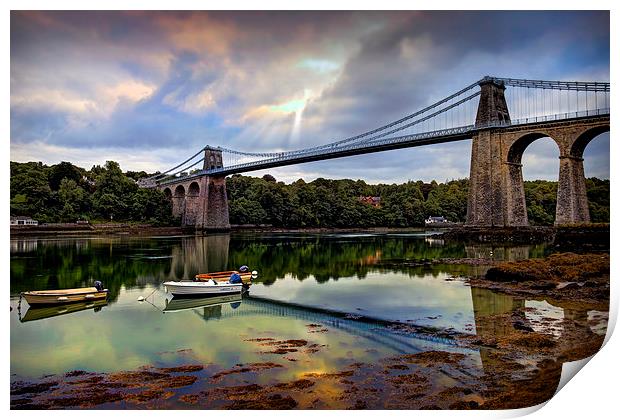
(289, 107)
(319, 65)
(53, 99)
(194, 103)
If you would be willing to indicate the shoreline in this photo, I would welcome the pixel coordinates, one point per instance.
(146, 230)
(576, 238)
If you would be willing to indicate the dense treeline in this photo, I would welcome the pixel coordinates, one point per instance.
(67, 193)
(336, 203)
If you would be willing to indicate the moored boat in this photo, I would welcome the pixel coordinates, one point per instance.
(216, 283)
(202, 287)
(246, 277)
(63, 296)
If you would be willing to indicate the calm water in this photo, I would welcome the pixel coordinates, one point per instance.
(349, 284)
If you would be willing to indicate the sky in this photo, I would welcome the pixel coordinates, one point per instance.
(149, 89)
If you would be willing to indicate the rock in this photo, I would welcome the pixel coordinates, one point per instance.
(543, 285)
(567, 285)
(520, 325)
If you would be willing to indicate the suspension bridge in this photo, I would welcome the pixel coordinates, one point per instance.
(502, 117)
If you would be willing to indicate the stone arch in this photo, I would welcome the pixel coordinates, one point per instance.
(515, 205)
(582, 141)
(518, 147)
(179, 191)
(168, 193)
(194, 189)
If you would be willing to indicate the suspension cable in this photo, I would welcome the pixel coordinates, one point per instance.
(163, 174)
(381, 132)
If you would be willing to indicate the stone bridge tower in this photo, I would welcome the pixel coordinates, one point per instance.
(496, 193)
(201, 201)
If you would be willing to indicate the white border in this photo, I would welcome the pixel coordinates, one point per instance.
(592, 395)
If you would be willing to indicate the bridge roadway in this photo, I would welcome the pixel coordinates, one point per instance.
(393, 143)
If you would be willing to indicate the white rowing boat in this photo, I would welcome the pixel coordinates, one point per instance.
(197, 288)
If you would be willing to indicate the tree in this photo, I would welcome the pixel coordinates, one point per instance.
(151, 205)
(109, 206)
(247, 212)
(107, 191)
(72, 198)
(114, 192)
(64, 170)
(19, 205)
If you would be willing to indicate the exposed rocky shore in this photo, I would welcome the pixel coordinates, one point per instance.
(586, 237)
(579, 278)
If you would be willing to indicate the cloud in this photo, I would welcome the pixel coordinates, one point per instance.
(99, 104)
(55, 100)
(274, 81)
(192, 103)
(319, 65)
(41, 151)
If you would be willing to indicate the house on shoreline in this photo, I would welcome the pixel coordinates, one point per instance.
(23, 221)
(436, 220)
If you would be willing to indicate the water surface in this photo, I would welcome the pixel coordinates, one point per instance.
(336, 291)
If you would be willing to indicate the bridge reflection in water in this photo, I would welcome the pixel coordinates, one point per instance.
(493, 323)
(373, 329)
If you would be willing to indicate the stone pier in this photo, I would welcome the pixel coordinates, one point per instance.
(496, 193)
(201, 202)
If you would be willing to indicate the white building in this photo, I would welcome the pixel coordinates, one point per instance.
(434, 219)
(23, 221)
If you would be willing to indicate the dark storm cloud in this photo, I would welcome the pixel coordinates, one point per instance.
(454, 49)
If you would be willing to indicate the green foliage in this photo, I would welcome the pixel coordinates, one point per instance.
(136, 175)
(336, 203)
(64, 170)
(598, 199)
(152, 206)
(540, 199)
(66, 193)
(31, 194)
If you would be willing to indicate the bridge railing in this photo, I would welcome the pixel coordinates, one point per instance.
(562, 116)
(547, 118)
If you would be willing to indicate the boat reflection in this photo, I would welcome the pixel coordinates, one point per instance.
(182, 304)
(41, 312)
